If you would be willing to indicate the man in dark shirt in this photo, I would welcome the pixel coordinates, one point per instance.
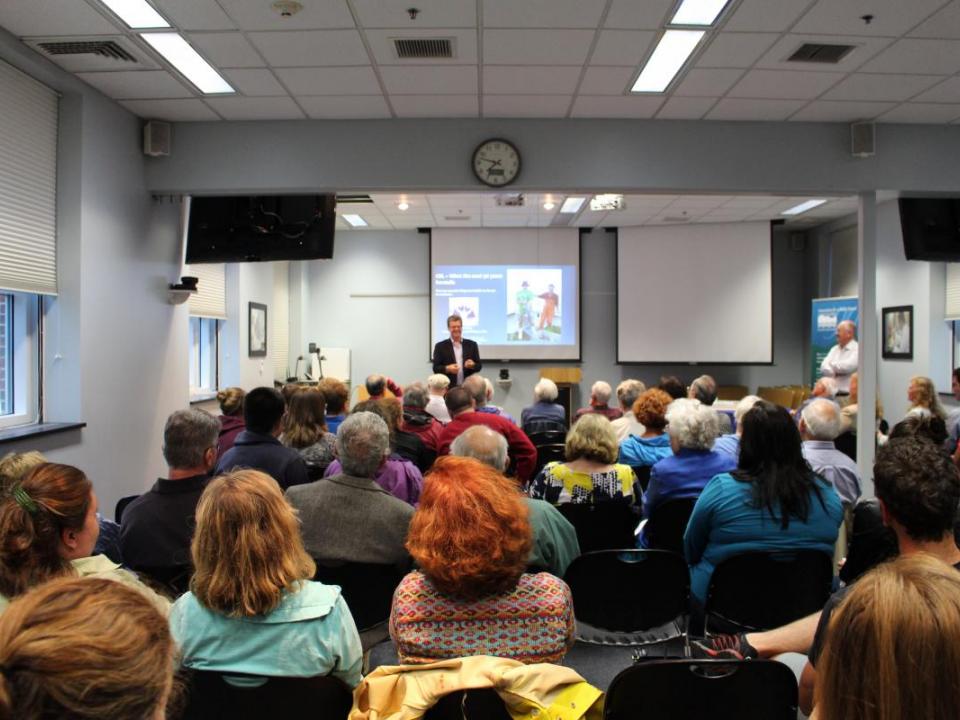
(158, 526)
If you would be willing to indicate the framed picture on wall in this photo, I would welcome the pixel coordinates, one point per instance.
(257, 338)
(897, 332)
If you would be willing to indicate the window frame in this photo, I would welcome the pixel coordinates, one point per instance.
(25, 337)
(198, 357)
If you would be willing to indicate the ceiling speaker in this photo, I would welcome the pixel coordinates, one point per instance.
(863, 139)
(157, 136)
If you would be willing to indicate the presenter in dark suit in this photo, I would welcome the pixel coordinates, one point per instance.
(456, 358)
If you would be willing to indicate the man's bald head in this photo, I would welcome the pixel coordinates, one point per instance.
(846, 331)
(481, 443)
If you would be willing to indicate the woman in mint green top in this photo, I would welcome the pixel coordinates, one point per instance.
(252, 607)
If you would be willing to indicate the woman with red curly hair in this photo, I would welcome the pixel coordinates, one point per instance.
(471, 538)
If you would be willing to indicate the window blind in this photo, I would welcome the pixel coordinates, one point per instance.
(953, 292)
(210, 299)
(28, 184)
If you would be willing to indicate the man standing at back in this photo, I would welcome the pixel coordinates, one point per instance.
(841, 362)
(457, 357)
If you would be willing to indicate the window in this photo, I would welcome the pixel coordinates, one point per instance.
(19, 359)
(204, 356)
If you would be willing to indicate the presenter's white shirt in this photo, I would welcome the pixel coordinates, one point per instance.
(840, 363)
(458, 354)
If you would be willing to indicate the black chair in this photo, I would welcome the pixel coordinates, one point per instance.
(367, 588)
(481, 704)
(667, 524)
(173, 580)
(315, 471)
(694, 689)
(121, 506)
(847, 444)
(870, 541)
(643, 476)
(601, 526)
(209, 697)
(549, 453)
(760, 591)
(539, 437)
(629, 597)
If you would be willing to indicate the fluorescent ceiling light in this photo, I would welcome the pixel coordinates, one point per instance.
(137, 14)
(698, 12)
(354, 220)
(671, 53)
(803, 207)
(403, 205)
(184, 58)
(572, 204)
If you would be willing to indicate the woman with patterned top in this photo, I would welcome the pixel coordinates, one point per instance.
(591, 473)
(305, 430)
(471, 538)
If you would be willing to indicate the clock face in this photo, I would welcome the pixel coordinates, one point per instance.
(496, 162)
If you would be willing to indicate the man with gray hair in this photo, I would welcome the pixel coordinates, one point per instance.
(437, 385)
(546, 413)
(627, 393)
(157, 527)
(348, 517)
(416, 419)
(481, 390)
(554, 538)
(841, 362)
(704, 389)
(600, 393)
(819, 427)
(376, 386)
(730, 443)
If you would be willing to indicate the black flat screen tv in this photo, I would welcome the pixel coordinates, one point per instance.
(255, 228)
(931, 228)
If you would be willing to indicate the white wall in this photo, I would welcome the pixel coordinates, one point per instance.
(246, 283)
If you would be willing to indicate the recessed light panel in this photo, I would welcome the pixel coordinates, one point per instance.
(668, 58)
(804, 206)
(698, 12)
(137, 14)
(354, 220)
(184, 58)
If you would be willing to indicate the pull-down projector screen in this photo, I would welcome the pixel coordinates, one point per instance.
(695, 294)
(517, 290)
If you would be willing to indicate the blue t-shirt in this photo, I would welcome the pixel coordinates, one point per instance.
(636, 451)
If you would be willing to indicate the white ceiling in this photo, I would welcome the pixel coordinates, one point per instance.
(525, 58)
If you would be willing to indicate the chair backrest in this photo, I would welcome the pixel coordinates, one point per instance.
(667, 524)
(121, 506)
(777, 395)
(847, 444)
(643, 475)
(480, 704)
(315, 471)
(549, 453)
(760, 591)
(628, 590)
(367, 588)
(870, 541)
(210, 697)
(555, 435)
(601, 526)
(172, 579)
(732, 392)
(715, 689)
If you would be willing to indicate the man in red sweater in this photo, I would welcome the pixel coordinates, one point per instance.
(523, 455)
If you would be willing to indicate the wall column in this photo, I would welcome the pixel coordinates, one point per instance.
(867, 336)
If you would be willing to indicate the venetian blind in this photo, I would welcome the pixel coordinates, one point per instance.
(953, 291)
(210, 299)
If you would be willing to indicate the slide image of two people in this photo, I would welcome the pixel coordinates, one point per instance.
(533, 304)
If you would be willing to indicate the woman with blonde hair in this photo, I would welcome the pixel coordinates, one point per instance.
(84, 648)
(231, 420)
(893, 646)
(251, 599)
(923, 398)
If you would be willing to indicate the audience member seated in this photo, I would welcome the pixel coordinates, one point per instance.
(923, 398)
(591, 473)
(599, 403)
(927, 427)
(704, 389)
(337, 395)
(953, 418)
(653, 445)
(158, 526)
(305, 430)
(48, 528)
(86, 649)
(692, 427)
(397, 475)
(546, 413)
(407, 445)
(460, 403)
(730, 443)
(252, 607)
(893, 647)
(848, 416)
(289, 390)
(819, 427)
(555, 543)
(231, 419)
(348, 517)
(417, 420)
(672, 386)
(772, 502)
(488, 405)
(627, 393)
(258, 448)
(437, 385)
(471, 539)
(377, 385)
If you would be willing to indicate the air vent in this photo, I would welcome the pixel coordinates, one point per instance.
(353, 199)
(820, 53)
(423, 48)
(457, 218)
(103, 48)
(676, 218)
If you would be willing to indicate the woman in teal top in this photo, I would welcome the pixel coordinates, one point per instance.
(252, 607)
(772, 502)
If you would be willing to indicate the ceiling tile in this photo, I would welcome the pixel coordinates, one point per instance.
(445, 201)
(172, 110)
(330, 81)
(943, 24)
(647, 15)
(195, 14)
(244, 108)
(685, 108)
(947, 91)
(735, 50)
(311, 49)
(780, 84)
(704, 82)
(255, 82)
(227, 49)
(549, 106)
(433, 13)
(890, 17)
(384, 51)
(622, 47)
(921, 113)
(862, 86)
(445, 80)
(536, 47)
(607, 80)
(24, 18)
(766, 15)
(519, 80)
(749, 202)
(918, 56)
(608, 106)
(864, 48)
(542, 13)
(838, 111)
(133, 85)
(315, 15)
(435, 105)
(760, 110)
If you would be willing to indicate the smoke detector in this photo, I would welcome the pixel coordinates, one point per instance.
(286, 8)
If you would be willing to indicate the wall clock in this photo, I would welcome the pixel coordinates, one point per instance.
(496, 162)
